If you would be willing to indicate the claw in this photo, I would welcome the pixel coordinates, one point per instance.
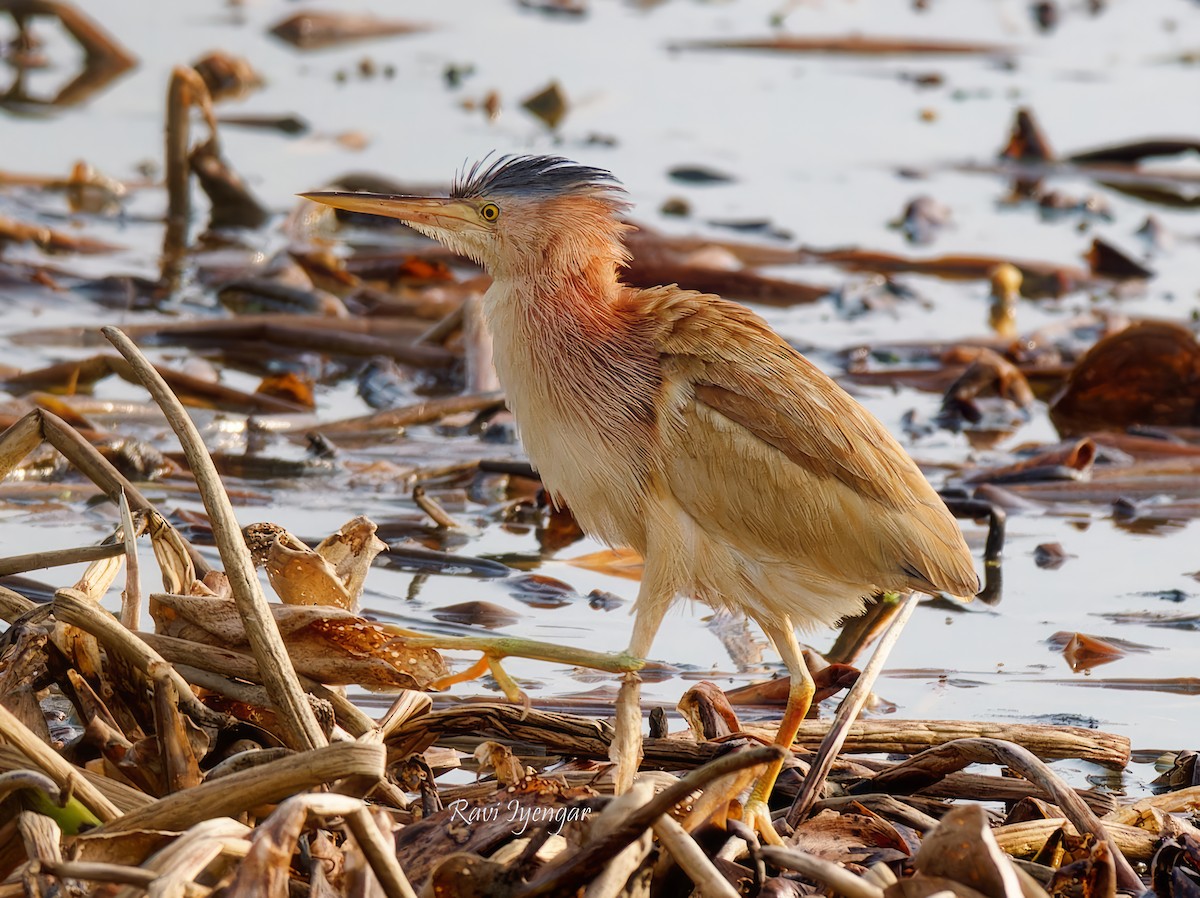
(757, 816)
(509, 686)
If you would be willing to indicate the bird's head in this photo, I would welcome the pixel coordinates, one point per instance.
(522, 217)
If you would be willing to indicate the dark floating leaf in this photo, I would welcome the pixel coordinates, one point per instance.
(255, 296)
(853, 44)
(1050, 556)
(313, 30)
(540, 591)
(1135, 151)
(574, 9)
(477, 614)
(698, 174)
(1146, 374)
(1106, 260)
(289, 123)
(549, 105)
(1167, 595)
(1027, 142)
(414, 558)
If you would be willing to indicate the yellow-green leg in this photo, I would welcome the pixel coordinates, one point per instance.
(800, 696)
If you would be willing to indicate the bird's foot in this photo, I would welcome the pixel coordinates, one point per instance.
(757, 815)
(489, 662)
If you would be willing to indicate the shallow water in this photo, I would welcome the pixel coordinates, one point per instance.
(815, 144)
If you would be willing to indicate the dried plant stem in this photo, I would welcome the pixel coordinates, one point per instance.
(434, 509)
(20, 564)
(1047, 742)
(420, 413)
(833, 876)
(846, 715)
(238, 792)
(13, 605)
(509, 646)
(692, 859)
(380, 855)
(226, 664)
(131, 595)
(120, 874)
(1027, 838)
(279, 676)
(42, 426)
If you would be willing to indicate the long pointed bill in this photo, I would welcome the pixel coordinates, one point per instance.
(432, 211)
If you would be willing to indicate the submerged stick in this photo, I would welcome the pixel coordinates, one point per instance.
(279, 676)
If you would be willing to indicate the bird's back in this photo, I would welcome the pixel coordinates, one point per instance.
(784, 472)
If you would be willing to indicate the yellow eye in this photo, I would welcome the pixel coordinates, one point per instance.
(490, 212)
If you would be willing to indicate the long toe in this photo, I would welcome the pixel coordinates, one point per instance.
(757, 815)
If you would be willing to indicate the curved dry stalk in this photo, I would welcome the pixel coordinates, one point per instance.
(42, 426)
(692, 859)
(241, 791)
(380, 855)
(610, 882)
(279, 676)
(930, 766)
(837, 878)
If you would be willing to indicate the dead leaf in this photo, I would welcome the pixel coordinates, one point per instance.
(1146, 374)
(331, 574)
(708, 712)
(327, 644)
(500, 758)
(849, 838)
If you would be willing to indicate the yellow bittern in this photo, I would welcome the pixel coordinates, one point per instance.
(681, 425)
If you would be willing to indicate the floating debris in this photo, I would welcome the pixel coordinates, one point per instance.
(549, 105)
(314, 31)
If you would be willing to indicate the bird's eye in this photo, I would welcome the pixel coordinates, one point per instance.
(490, 212)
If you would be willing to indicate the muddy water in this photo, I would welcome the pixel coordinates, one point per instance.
(827, 148)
